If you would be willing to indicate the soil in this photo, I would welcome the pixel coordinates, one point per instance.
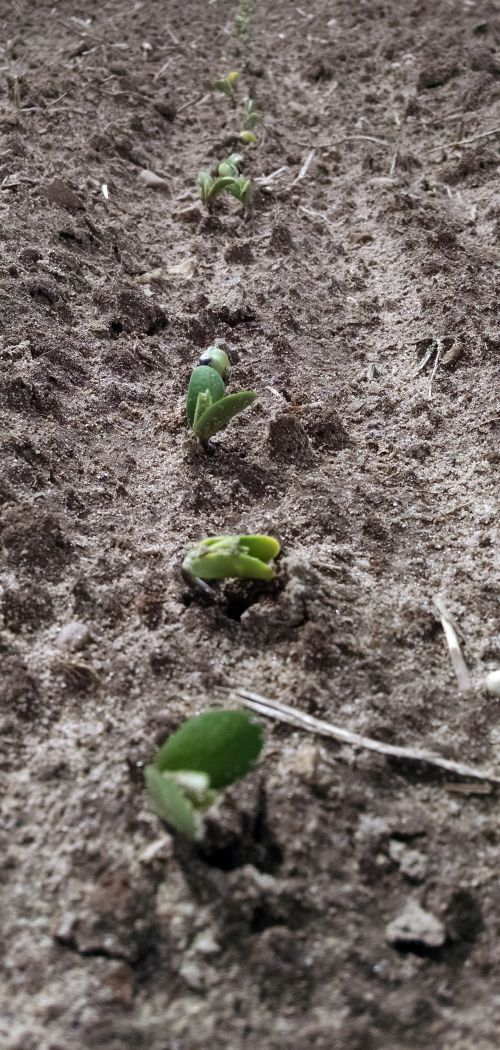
(380, 481)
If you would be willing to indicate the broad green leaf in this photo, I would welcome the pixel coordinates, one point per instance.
(218, 185)
(222, 412)
(222, 744)
(203, 379)
(241, 189)
(170, 802)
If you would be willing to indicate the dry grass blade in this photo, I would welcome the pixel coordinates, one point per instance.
(450, 633)
(283, 713)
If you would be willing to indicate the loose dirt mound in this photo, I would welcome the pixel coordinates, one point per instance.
(382, 491)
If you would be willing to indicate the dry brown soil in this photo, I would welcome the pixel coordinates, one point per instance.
(382, 491)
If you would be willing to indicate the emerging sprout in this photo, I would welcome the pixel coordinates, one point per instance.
(251, 114)
(231, 557)
(247, 138)
(216, 358)
(196, 763)
(228, 178)
(227, 84)
(230, 167)
(208, 409)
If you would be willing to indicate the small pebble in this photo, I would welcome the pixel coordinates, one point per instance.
(492, 683)
(73, 636)
(415, 926)
(149, 178)
(412, 863)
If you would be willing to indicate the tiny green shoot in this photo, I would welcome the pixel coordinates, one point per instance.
(231, 557)
(243, 19)
(228, 178)
(194, 765)
(227, 85)
(208, 408)
(251, 114)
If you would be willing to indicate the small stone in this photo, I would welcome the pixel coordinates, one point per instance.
(205, 943)
(73, 636)
(492, 683)
(306, 761)
(412, 863)
(150, 179)
(414, 926)
(58, 192)
(192, 214)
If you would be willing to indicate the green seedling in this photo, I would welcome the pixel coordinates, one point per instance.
(251, 114)
(241, 188)
(243, 19)
(230, 557)
(208, 408)
(230, 168)
(227, 85)
(228, 179)
(194, 765)
(211, 187)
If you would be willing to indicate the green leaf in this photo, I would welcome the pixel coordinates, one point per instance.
(263, 547)
(252, 115)
(231, 166)
(222, 744)
(205, 182)
(237, 557)
(226, 84)
(204, 379)
(219, 185)
(222, 565)
(170, 802)
(203, 402)
(240, 188)
(221, 412)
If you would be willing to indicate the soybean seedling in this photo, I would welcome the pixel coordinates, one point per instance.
(230, 557)
(251, 114)
(208, 409)
(227, 85)
(228, 179)
(194, 765)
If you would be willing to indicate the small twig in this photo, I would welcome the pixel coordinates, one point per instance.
(163, 69)
(450, 633)
(264, 180)
(439, 350)
(192, 102)
(305, 167)
(347, 138)
(486, 422)
(465, 142)
(423, 361)
(294, 717)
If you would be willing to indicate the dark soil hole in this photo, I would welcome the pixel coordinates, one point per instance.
(246, 840)
(116, 327)
(236, 606)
